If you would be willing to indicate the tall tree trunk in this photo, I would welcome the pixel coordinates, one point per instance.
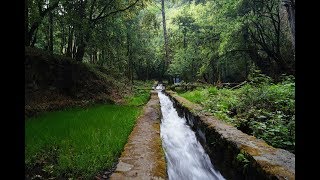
(148, 69)
(34, 40)
(130, 68)
(70, 40)
(74, 47)
(95, 56)
(102, 58)
(90, 57)
(51, 32)
(184, 39)
(31, 35)
(204, 77)
(166, 60)
(26, 23)
(82, 39)
(218, 72)
(80, 51)
(290, 8)
(83, 34)
(213, 71)
(246, 45)
(63, 39)
(31, 32)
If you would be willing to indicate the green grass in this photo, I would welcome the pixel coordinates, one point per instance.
(77, 142)
(139, 99)
(260, 108)
(196, 96)
(141, 93)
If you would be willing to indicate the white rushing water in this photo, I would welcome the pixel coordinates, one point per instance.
(186, 158)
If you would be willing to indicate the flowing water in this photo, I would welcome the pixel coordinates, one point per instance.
(186, 158)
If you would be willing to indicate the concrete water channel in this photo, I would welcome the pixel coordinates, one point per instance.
(174, 139)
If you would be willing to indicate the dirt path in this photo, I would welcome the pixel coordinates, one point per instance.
(143, 157)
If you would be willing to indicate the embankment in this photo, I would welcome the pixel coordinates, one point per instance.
(55, 82)
(236, 154)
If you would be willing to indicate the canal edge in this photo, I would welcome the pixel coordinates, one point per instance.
(143, 156)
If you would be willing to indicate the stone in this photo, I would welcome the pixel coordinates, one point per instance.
(123, 167)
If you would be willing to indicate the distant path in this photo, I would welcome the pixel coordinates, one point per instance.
(143, 157)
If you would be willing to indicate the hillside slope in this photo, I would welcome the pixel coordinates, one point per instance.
(55, 82)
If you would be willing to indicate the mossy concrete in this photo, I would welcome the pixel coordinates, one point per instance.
(143, 156)
(224, 143)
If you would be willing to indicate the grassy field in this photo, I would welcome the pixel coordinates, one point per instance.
(79, 143)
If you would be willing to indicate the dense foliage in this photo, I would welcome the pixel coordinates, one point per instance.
(214, 41)
(220, 41)
(260, 107)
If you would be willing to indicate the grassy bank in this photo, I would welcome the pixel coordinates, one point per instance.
(260, 108)
(140, 93)
(80, 142)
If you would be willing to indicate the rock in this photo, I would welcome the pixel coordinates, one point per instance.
(122, 167)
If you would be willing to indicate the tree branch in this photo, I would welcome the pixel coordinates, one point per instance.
(116, 11)
(91, 9)
(103, 9)
(52, 7)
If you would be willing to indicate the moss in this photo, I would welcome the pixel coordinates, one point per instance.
(249, 150)
(160, 168)
(275, 170)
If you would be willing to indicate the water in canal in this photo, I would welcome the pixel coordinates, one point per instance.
(186, 158)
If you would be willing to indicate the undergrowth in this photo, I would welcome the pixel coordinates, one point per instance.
(261, 108)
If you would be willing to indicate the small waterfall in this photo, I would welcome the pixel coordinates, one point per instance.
(186, 158)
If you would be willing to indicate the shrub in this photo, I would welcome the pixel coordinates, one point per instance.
(260, 108)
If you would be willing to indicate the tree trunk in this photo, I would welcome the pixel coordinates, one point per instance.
(90, 57)
(82, 32)
(26, 23)
(130, 68)
(166, 60)
(63, 40)
(213, 71)
(184, 39)
(31, 35)
(204, 77)
(95, 57)
(83, 39)
(74, 47)
(34, 40)
(35, 25)
(80, 51)
(102, 58)
(70, 44)
(51, 32)
(290, 8)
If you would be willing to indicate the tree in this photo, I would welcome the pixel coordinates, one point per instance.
(290, 8)
(36, 8)
(165, 36)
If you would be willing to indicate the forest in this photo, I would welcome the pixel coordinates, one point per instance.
(235, 58)
(214, 41)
